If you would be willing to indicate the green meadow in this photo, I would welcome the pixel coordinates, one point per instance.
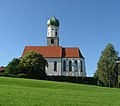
(29, 92)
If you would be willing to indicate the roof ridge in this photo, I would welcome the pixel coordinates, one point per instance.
(43, 46)
(71, 47)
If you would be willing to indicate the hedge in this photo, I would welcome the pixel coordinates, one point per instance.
(82, 80)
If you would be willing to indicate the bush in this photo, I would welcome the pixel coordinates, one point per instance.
(22, 75)
(82, 80)
(6, 74)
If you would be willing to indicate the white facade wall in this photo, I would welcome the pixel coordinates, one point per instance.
(60, 72)
(51, 31)
(50, 69)
(79, 72)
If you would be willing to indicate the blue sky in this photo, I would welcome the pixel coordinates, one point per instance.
(87, 24)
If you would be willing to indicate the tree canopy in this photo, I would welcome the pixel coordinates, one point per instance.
(13, 67)
(31, 64)
(106, 72)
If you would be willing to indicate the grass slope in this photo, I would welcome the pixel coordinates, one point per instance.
(26, 92)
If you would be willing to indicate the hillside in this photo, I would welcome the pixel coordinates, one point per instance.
(28, 92)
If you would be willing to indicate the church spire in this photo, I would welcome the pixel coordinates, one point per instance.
(53, 31)
(53, 21)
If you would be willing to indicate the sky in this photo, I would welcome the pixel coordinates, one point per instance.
(87, 24)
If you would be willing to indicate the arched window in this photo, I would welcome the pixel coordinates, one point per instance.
(70, 65)
(81, 66)
(64, 65)
(52, 41)
(76, 66)
(56, 33)
(55, 66)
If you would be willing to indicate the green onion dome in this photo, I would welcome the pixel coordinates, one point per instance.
(53, 21)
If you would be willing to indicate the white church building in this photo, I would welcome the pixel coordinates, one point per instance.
(62, 61)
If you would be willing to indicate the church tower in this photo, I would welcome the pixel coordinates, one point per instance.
(52, 32)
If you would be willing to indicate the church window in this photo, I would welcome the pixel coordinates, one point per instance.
(81, 67)
(55, 66)
(52, 41)
(76, 66)
(56, 33)
(70, 65)
(64, 65)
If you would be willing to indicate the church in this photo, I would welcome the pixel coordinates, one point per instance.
(62, 61)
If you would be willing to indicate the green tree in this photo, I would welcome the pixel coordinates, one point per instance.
(106, 72)
(13, 67)
(33, 64)
(119, 73)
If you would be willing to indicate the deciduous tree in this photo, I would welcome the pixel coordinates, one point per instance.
(13, 67)
(33, 64)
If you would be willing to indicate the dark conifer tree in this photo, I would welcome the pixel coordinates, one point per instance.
(107, 72)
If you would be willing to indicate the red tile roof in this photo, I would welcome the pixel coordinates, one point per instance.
(54, 51)
(46, 51)
(71, 53)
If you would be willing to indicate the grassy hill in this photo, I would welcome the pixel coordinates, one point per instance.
(27, 92)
